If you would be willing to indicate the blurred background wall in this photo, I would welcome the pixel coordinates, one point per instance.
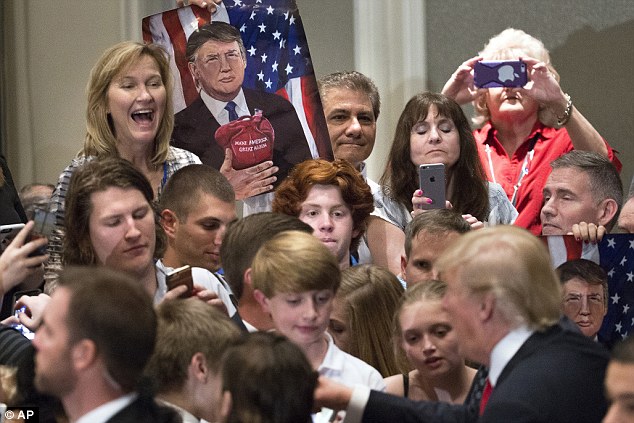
(49, 46)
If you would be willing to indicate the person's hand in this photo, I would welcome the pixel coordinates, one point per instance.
(32, 316)
(175, 293)
(251, 181)
(210, 5)
(543, 86)
(420, 202)
(210, 297)
(588, 232)
(331, 394)
(473, 222)
(15, 264)
(460, 86)
(199, 292)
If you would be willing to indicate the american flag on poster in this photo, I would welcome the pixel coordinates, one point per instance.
(278, 59)
(615, 254)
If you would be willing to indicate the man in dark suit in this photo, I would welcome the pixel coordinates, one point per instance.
(217, 61)
(97, 333)
(504, 301)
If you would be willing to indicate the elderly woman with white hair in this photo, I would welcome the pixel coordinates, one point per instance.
(523, 129)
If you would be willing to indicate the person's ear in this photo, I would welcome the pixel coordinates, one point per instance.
(247, 280)
(225, 405)
(193, 69)
(198, 367)
(607, 209)
(262, 300)
(83, 354)
(169, 222)
(487, 307)
(404, 268)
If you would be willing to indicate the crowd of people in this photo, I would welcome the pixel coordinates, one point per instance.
(334, 297)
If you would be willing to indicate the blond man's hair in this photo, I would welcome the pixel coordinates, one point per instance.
(515, 266)
(294, 261)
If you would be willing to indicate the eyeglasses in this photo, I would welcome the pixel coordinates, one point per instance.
(574, 303)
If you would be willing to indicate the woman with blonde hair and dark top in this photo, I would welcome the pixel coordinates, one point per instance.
(423, 332)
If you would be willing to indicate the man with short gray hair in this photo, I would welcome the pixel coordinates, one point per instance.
(583, 189)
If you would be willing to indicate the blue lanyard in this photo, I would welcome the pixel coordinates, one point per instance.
(163, 181)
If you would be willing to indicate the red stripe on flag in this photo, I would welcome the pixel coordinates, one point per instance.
(574, 248)
(147, 34)
(202, 15)
(175, 31)
(313, 107)
(308, 91)
(283, 93)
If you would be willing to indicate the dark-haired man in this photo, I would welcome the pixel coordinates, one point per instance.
(583, 189)
(352, 104)
(426, 237)
(242, 241)
(196, 206)
(97, 333)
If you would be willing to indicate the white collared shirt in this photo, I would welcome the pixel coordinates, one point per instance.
(505, 349)
(185, 415)
(105, 411)
(363, 250)
(348, 369)
(200, 276)
(250, 327)
(217, 107)
(258, 203)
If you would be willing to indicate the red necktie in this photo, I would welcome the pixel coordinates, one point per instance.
(486, 393)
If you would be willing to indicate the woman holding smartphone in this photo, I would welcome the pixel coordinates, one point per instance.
(433, 129)
(522, 130)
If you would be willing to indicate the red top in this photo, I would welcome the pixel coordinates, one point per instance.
(547, 144)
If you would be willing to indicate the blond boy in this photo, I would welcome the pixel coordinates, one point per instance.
(295, 278)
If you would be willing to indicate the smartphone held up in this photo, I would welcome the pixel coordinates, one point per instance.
(181, 276)
(7, 233)
(500, 73)
(432, 183)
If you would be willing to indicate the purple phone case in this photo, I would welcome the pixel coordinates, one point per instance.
(500, 73)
